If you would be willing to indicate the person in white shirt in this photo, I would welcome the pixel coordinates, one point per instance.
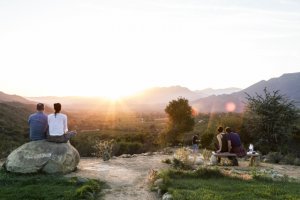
(58, 126)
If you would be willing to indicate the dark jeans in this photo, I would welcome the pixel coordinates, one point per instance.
(61, 138)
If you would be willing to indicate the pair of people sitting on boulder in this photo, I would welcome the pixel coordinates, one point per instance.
(53, 128)
(230, 141)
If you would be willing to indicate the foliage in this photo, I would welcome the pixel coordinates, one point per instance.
(182, 154)
(206, 154)
(180, 119)
(297, 161)
(167, 161)
(40, 186)
(104, 149)
(206, 140)
(13, 126)
(289, 159)
(274, 157)
(125, 142)
(269, 119)
(207, 124)
(211, 184)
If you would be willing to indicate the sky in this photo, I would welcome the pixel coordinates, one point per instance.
(114, 48)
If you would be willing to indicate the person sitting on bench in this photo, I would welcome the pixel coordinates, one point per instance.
(225, 145)
(234, 143)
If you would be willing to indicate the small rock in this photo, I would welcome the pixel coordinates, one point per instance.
(125, 156)
(167, 196)
(199, 161)
(81, 180)
(159, 192)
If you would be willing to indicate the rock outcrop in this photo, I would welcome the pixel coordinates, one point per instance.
(43, 156)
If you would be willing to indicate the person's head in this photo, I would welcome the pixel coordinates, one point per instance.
(40, 107)
(220, 129)
(228, 130)
(57, 107)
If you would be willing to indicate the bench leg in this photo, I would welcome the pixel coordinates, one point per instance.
(252, 161)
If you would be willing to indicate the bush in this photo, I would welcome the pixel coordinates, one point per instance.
(167, 161)
(178, 164)
(128, 148)
(274, 157)
(289, 159)
(297, 161)
(206, 140)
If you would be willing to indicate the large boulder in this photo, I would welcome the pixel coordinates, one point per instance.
(43, 156)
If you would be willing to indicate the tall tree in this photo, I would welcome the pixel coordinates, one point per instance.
(269, 119)
(180, 119)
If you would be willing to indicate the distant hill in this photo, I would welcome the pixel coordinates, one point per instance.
(13, 98)
(209, 91)
(287, 84)
(156, 99)
(162, 95)
(153, 99)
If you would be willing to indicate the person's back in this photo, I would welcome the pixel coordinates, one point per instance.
(235, 139)
(57, 124)
(38, 125)
(235, 144)
(224, 141)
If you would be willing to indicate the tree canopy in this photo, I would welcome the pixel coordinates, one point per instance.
(269, 120)
(180, 119)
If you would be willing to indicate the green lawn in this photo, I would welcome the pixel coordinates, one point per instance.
(46, 187)
(209, 184)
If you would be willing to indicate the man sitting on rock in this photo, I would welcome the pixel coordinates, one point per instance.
(38, 124)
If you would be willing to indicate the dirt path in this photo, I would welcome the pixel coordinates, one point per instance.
(127, 177)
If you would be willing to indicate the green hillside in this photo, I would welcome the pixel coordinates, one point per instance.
(13, 125)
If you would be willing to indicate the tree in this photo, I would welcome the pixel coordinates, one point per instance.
(180, 119)
(269, 119)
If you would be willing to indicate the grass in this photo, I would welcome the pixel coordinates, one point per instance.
(211, 184)
(46, 187)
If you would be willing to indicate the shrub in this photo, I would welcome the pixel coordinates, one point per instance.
(289, 159)
(167, 161)
(274, 157)
(129, 148)
(206, 154)
(104, 149)
(206, 140)
(297, 161)
(178, 164)
(182, 154)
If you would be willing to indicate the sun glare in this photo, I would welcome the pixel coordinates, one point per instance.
(113, 96)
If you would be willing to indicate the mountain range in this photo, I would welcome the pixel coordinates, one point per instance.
(156, 99)
(287, 84)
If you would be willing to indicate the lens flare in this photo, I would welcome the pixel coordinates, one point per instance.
(230, 107)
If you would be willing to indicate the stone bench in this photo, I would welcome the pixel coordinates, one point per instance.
(226, 155)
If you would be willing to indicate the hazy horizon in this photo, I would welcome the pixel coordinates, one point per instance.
(116, 48)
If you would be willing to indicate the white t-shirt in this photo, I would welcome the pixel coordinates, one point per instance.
(58, 124)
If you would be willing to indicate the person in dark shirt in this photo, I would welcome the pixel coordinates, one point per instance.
(234, 143)
(38, 124)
